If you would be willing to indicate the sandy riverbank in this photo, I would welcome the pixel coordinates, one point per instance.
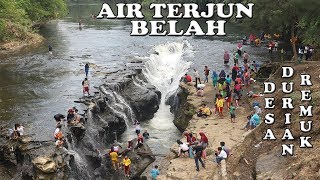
(215, 128)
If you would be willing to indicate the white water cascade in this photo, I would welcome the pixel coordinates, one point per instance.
(164, 70)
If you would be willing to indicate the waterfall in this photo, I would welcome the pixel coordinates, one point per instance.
(165, 69)
(119, 106)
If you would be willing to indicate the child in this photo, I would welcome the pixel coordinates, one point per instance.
(232, 114)
(85, 84)
(229, 99)
(236, 98)
(216, 107)
(220, 103)
(154, 172)
(126, 163)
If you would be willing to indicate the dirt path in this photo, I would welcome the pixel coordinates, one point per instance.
(216, 129)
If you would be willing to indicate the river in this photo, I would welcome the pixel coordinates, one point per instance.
(34, 86)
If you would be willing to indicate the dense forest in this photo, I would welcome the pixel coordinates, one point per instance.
(18, 17)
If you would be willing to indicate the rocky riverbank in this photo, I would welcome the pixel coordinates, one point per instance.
(125, 96)
(264, 160)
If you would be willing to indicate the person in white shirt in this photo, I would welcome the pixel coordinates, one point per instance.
(20, 129)
(59, 143)
(220, 155)
(183, 148)
(196, 76)
(57, 131)
(138, 128)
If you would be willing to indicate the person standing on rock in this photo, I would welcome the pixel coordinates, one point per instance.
(86, 69)
(59, 143)
(85, 85)
(126, 162)
(206, 74)
(155, 172)
(139, 141)
(204, 143)
(114, 159)
(58, 133)
(138, 128)
(232, 113)
(197, 77)
(197, 156)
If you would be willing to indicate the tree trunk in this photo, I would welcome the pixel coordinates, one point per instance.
(294, 49)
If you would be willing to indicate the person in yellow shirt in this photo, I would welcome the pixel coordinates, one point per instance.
(204, 111)
(114, 159)
(126, 163)
(220, 104)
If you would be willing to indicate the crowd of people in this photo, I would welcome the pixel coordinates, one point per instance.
(231, 87)
(195, 148)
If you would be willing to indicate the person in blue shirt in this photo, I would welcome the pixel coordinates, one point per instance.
(86, 69)
(155, 172)
(214, 77)
(254, 121)
(228, 79)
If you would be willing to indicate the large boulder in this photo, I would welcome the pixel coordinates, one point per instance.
(45, 164)
(181, 108)
(144, 100)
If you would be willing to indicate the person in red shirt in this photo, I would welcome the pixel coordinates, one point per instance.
(187, 78)
(206, 73)
(234, 71)
(238, 80)
(204, 143)
(190, 138)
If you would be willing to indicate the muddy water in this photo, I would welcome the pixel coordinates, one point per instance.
(35, 85)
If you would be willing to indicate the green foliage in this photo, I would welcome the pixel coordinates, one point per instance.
(44, 10)
(18, 16)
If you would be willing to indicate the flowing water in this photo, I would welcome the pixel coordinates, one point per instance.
(35, 85)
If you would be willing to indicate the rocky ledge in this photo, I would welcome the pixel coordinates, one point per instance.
(181, 106)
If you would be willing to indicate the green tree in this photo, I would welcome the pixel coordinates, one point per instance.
(13, 21)
(44, 10)
(18, 16)
(294, 18)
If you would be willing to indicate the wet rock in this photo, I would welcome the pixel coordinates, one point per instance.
(143, 100)
(78, 131)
